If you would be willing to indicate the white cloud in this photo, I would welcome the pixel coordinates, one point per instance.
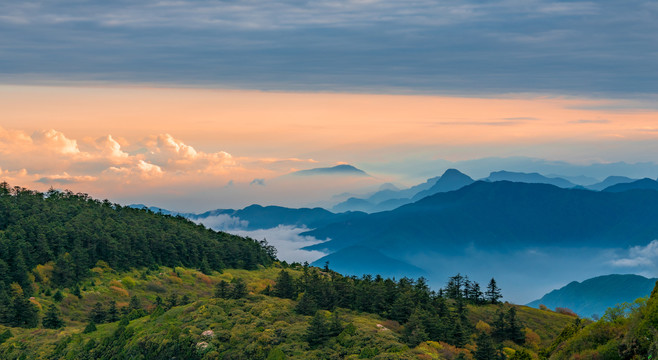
(223, 222)
(286, 240)
(639, 256)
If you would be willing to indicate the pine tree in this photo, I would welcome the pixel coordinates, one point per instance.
(493, 292)
(485, 349)
(513, 329)
(205, 267)
(76, 291)
(91, 327)
(113, 312)
(24, 314)
(58, 296)
(284, 287)
(414, 330)
(52, 318)
(239, 289)
(97, 314)
(172, 300)
(317, 331)
(335, 326)
(222, 290)
(306, 305)
(499, 326)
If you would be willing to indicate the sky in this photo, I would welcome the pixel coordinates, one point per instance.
(196, 105)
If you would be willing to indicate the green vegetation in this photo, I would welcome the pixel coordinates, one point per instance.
(83, 279)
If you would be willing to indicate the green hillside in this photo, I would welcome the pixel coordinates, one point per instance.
(87, 279)
(255, 326)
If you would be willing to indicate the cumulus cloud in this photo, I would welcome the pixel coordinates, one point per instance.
(639, 256)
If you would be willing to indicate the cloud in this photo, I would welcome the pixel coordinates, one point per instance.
(287, 241)
(639, 256)
(65, 178)
(589, 121)
(223, 222)
(383, 46)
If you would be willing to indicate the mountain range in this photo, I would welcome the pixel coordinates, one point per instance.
(593, 296)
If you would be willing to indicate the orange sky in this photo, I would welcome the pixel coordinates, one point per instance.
(99, 135)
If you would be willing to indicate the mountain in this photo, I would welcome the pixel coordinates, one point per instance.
(343, 169)
(533, 178)
(451, 179)
(360, 260)
(610, 181)
(384, 199)
(593, 296)
(501, 215)
(354, 204)
(266, 217)
(642, 184)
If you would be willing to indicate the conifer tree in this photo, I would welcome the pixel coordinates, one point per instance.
(493, 292)
(335, 326)
(113, 312)
(172, 300)
(284, 287)
(499, 327)
(91, 327)
(239, 289)
(485, 349)
(52, 319)
(317, 331)
(58, 296)
(222, 290)
(306, 305)
(97, 314)
(25, 314)
(513, 329)
(414, 330)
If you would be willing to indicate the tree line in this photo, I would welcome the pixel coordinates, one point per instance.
(72, 232)
(425, 314)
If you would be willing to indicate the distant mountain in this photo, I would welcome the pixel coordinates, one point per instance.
(335, 170)
(266, 217)
(354, 204)
(451, 179)
(642, 184)
(594, 296)
(360, 260)
(502, 215)
(610, 181)
(531, 178)
(388, 199)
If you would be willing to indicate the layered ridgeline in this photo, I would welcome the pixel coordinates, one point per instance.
(84, 279)
(592, 297)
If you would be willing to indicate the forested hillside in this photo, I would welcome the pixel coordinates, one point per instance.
(68, 233)
(87, 279)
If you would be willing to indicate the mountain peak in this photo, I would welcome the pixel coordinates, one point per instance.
(342, 169)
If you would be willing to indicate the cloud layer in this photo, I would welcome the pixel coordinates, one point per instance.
(377, 45)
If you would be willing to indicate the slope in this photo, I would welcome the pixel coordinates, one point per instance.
(596, 295)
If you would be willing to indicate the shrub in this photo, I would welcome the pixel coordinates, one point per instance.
(565, 311)
(120, 291)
